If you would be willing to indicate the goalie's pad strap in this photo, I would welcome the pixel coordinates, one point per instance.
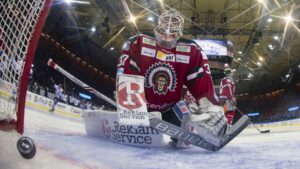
(181, 109)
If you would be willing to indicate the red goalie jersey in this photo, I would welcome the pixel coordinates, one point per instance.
(167, 70)
(227, 89)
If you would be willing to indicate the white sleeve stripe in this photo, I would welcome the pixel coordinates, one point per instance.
(133, 63)
(194, 75)
(223, 97)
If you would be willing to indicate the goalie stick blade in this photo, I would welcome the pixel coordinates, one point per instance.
(236, 129)
(195, 139)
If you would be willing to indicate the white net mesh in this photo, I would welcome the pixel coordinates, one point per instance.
(18, 20)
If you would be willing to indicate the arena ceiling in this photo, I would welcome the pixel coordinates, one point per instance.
(266, 44)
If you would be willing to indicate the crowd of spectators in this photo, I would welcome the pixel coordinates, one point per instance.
(70, 98)
(272, 107)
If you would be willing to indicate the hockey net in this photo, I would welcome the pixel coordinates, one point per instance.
(21, 23)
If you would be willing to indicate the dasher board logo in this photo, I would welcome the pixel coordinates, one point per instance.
(132, 109)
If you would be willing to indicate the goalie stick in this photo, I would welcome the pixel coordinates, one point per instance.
(195, 139)
(261, 131)
(52, 64)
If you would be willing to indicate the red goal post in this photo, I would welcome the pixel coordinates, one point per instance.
(21, 24)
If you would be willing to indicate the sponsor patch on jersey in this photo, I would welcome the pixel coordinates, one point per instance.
(183, 48)
(161, 77)
(148, 52)
(183, 59)
(149, 41)
(165, 57)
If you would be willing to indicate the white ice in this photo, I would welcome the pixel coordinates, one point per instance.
(62, 144)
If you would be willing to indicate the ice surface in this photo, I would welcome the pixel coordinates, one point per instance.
(62, 144)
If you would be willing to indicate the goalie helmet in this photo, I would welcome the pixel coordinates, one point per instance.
(227, 70)
(169, 28)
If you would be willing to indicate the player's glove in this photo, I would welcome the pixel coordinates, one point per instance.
(210, 117)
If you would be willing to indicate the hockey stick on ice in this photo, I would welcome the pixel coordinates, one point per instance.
(52, 64)
(261, 131)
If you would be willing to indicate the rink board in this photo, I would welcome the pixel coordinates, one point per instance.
(42, 103)
(104, 124)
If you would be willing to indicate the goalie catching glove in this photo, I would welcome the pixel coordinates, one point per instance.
(210, 117)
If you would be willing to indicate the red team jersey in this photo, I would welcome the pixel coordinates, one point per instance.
(167, 70)
(227, 88)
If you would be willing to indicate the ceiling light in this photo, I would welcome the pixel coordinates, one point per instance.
(112, 48)
(93, 29)
(276, 37)
(150, 18)
(240, 52)
(250, 75)
(259, 64)
(261, 58)
(288, 18)
(68, 2)
(271, 47)
(239, 59)
(299, 66)
(270, 20)
(132, 19)
(288, 75)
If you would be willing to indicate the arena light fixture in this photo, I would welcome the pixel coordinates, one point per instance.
(269, 20)
(150, 18)
(93, 29)
(259, 64)
(288, 18)
(132, 18)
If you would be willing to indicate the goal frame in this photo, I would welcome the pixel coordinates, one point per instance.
(18, 125)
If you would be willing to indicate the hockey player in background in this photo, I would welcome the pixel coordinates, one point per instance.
(227, 96)
(167, 63)
(58, 96)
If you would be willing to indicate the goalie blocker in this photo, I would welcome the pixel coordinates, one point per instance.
(131, 98)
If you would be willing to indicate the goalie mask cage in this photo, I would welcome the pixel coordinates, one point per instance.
(21, 23)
